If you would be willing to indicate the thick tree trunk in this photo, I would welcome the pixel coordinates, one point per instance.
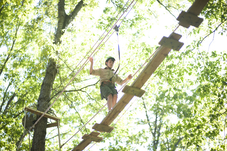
(38, 143)
(64, 20)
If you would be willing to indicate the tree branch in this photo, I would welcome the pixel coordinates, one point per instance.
(10, 100)
(74, 13)
(14, 41)
(3, 100)
(211, 32)
(155, 145)
(78, 114)
(61, 20)
(83, 99)
(149, 123)
(81, 89)
(177, 143)
(57, 135)
(167, 143)
(20, 139)
(159, 129)
(20, 99)
(64, 20)
(165, 8)
(2, 8)
(15, 116)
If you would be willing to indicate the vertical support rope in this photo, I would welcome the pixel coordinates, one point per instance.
(115, 72)
(122, 114)
(129, 80)
(25, 113)
(29, 141)
(224, 131)
(94, 52)
(80, 68)
(59, 138)
(102, 34)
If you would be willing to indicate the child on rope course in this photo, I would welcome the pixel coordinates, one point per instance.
(107, 81)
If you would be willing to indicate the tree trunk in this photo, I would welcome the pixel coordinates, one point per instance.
(38, 143)
(64, 20)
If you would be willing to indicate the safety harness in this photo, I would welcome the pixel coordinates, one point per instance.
(117, 30)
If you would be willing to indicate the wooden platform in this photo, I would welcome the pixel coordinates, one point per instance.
(153, 64)
(40, 113)
(57, 123)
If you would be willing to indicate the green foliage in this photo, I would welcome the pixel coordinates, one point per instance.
(188, 86)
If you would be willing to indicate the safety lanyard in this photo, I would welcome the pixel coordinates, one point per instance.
(117, 29)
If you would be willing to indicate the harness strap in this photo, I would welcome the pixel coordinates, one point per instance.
(117, 29)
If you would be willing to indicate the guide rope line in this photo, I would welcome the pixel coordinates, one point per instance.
(129, 80)
(57, 96)
(124, 111)
(140, 67)
(102, 34)
(92, 117)
(118, 91)
(119, 23)
(176, 28)
(116, 121)
(112, 27)
(108, 32)
(98, 39)
(106, 103)
(77, 72)
(122, 86)
(103, 106)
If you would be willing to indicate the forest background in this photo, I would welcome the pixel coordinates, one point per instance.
(42, 43)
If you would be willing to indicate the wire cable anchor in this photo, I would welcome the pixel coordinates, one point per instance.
(116, 28)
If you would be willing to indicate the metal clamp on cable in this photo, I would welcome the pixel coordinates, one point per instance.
(116, 28)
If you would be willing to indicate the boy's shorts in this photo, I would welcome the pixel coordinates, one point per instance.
(106, 89)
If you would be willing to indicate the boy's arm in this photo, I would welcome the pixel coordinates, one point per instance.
(128, 78)
(125, 80)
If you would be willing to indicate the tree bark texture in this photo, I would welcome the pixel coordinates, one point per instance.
(38, 143)
(64, 20)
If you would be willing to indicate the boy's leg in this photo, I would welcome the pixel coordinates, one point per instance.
(109, 101)
(114, 100)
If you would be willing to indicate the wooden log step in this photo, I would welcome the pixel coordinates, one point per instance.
(92, 138)
(133, 91)
(186, 19)
(94, 133)
(87, 140)
(171, 43)
(102, 128)
(197, 6)
(82, 145)
(175, 36)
